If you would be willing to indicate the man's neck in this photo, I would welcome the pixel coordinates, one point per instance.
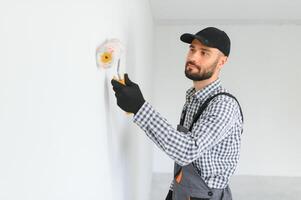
(199, 85)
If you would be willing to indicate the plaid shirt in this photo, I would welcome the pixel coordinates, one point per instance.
(213, 145)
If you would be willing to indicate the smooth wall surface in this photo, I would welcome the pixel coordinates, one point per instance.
(262, 72)
(62, 135)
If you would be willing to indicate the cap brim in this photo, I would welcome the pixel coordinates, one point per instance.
(188, 38)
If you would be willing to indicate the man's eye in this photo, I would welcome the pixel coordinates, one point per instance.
(205, 53)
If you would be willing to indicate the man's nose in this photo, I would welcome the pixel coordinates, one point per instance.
(193, 57)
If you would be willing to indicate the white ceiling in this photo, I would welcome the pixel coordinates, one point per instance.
(230, 10)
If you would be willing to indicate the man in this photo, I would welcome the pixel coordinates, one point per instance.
(206, 144)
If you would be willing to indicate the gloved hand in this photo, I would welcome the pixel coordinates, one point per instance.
(169, 195)
(129, 96)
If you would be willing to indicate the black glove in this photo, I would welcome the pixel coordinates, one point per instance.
(169, 195)
(129, 96)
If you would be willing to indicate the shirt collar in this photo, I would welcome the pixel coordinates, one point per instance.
(203, 93)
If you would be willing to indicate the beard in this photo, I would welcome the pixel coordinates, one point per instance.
(201, 75)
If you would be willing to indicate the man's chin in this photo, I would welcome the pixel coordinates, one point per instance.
(197, 77)
(193, 77)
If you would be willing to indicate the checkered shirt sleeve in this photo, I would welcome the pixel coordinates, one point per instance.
(211, 128)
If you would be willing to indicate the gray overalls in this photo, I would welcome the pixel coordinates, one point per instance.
(188, 184)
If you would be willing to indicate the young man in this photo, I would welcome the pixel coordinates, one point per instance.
(206, 144)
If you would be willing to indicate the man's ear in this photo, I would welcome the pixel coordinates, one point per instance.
(222, 61)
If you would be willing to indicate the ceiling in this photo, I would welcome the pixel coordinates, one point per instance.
(177, 11)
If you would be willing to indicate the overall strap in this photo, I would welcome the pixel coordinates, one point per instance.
(206, 103)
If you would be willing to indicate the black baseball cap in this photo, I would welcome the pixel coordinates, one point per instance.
(211, 37)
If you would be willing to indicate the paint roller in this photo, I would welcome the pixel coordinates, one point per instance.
(108, 54)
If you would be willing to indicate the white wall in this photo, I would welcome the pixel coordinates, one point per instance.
(262, 71)
(62, 135)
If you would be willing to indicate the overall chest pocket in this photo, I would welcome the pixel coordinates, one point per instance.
(196, 198)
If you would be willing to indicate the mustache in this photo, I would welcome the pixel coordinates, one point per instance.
(192, 63)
